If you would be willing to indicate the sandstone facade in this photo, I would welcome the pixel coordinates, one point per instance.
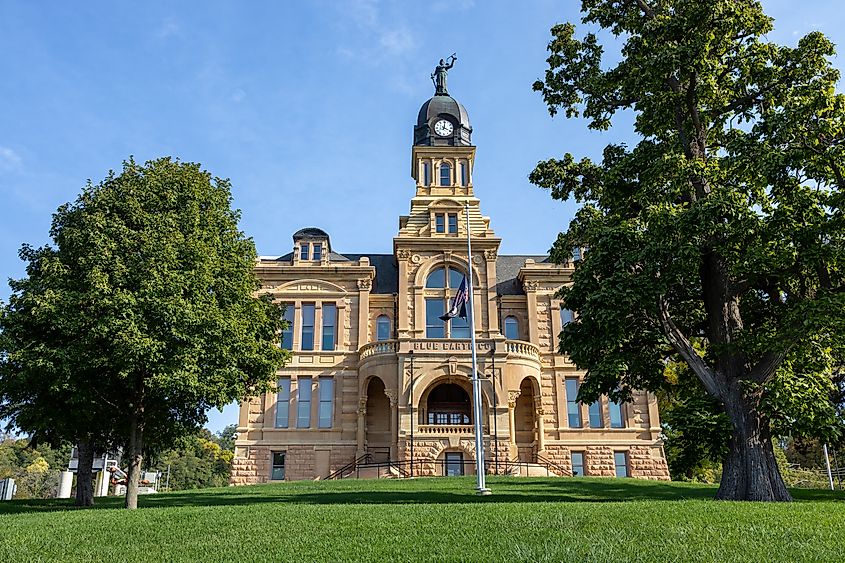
(377, 377)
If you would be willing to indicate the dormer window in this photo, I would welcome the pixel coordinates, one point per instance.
(445, 175)
(303, 251)
(446, 223)
(318, 251)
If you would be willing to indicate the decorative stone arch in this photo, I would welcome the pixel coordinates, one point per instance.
(527, 412)
(440, 261)
(313, 285)
(460, 376)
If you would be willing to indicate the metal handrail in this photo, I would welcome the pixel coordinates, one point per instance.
(349, 466)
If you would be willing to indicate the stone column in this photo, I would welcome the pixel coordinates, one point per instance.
(512, 397)
(541, 426)
(394, 423)
(65, 484)
(364, 287)
(531, 287)
(362, 427)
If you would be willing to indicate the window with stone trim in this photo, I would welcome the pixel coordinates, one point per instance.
(596, 420)
(283, 402)
(287, 332)
(303, 402)
(440, 287)
(439, 222)
(445, 174)
(464, 174)
(616, 418)
(329, 326)
(577, 464)
(573, 407)
(620, 460)
(307, 342)
(304, 249)
(277, 467)
(426, 174)
(326, 406)
(317, 252)
(452, 223)
(383, 328)
(511, 328)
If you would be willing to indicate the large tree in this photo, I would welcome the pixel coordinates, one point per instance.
(162, 280)
(718, 236)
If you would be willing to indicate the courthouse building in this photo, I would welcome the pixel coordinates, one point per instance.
(376, 376)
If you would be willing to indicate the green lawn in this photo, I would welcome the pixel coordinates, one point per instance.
(432, 519)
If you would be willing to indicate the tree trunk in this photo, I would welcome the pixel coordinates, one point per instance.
(750, 471)
(135, 458)
(85, 472)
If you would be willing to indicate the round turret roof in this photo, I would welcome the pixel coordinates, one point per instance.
(440, 105)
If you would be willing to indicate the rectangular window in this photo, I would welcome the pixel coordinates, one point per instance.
(459, 327)
(453, 223)
(326, 385)
(595, 415)
(620, 460)
(318, 251)
(573, 408)
(303, 251)
(453, 464)
(303, 407)
(383, 328)
(307, 326)
(464, 174)
(576, 254)
(277, 473)
(616, 420)
(329, 325)
(566, 317)
(439, 223)
(287, 332)
(434, 309)
(445, 175)
(426, 174)
(577, 464)
(283, 402)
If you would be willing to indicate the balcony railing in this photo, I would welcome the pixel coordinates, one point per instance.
(523, 349)
(378, 348)
(447, 429)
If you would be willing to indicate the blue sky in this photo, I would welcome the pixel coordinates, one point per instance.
(307, 107)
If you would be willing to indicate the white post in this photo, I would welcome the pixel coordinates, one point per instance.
(65, 484)
(827, 462)
(476, 384)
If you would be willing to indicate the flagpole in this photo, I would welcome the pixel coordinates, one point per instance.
(476, 384)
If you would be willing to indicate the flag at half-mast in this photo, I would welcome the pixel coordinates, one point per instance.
(459, 303)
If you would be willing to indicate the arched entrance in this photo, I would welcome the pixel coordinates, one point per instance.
(525, 421)
(378, 421)
(448, 404)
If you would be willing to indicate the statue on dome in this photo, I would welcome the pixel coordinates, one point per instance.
(438, 77)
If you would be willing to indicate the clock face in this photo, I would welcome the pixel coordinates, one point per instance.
(443, 128)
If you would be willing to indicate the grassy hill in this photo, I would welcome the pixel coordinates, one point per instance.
(432, 519)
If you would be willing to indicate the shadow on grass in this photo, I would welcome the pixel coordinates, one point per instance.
(417, 491)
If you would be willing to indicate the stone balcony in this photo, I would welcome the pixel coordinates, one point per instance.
(448, 430)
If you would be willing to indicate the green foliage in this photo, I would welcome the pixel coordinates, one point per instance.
(35, 470)
(143, 317)
(723, 224)
(696, 431)
(200, 461)
(526, 519)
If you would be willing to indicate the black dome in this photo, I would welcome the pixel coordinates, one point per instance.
(442, 106)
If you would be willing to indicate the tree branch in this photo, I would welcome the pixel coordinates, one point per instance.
(683, 347)
(766, 367)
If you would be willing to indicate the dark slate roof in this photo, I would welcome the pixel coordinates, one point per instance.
(310, 232)
(387, 272)
(507, 268)
(443, 104)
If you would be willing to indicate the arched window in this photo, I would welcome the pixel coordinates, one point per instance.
(383, 327)
(511, 328)
(441, 286)
(445, 175)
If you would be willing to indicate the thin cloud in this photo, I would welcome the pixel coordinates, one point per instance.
(397, 41)
(168, 28)
(10, 161)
